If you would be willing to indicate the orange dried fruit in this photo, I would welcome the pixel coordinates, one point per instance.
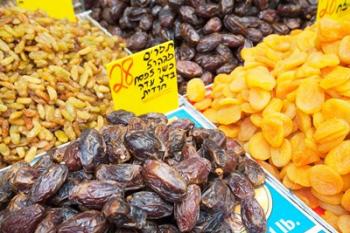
(271, 169)
(335, 209)
(195, 90)
(238, 80)
(336, 108)
(331, 48)
(339, 158)
(203, 104)
(309, 96)
(345, 201)
(306, 196)
(331, 219)
(335, 77)
(317, 119)
(303, 153)
(289, 109)
(325, 180)
(303, 121)
(258, 147)
(211, 114)
(273, 131)
(281, 156)
(246, 130)
(230, 130)
(346, 180)
(344, 50)
(344, 223)
(258, 99)
(330, 130)
(228, 114)
(299, 175)
(256, 119)
(275, 105)
(290, 184)
(320, 60)
(260, 77)
(330, 199)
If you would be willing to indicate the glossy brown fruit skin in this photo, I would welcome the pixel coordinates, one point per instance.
(187, 211)
(72, 157)
(24, 178)
(113, 135)
(119, 117)
(167, 228)
(143, 145)
(195, 170)
(253, 172)
(240, 186)
(164, 180)
(94, 194)
(218, 197)
(24, 220)
(49, 183)
(151, 203)
(92, 149)
(18, 202)
(88, 222)
(128, 176)
(53, 218)
(117, 211)
(253, 215)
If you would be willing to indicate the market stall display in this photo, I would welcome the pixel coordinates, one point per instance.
(52, 81)
(209, 35)
(289, 104)
(138, 174)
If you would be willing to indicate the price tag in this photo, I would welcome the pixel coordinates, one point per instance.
(145, 81)
(338, 9)
(62, 9)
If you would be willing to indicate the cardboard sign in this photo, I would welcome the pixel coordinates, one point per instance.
(338, 9)
(62, 9)
(145, 81)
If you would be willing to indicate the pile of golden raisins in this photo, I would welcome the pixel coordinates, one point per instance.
(290, 106)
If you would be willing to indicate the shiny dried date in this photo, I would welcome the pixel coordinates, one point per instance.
(240, 186)
(94, 194)
(164, 180)
(151, 203)
(71, 157)
(188, 69)
(187, 211)
(49, 183)
(253, 215)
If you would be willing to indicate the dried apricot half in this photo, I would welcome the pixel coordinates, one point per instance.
(299, 175)
(309, 96)
(325, 180)
(345, 201)
(258, 147)
(339, 158)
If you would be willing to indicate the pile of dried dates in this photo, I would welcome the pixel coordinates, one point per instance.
(209, 35)
(139, 174)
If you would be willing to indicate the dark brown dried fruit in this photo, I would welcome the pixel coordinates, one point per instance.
(72, 157)
(117, 211)
(94, 194)
(253, 215)
(209, 43)
(49, 183)
(194, 169)
(92, 149)
(24, 178)
(189, 69)
(164, 180)
(53, 218)
(127, 176)
(189, 34)
(253, 172)
(18, 202)
(88, 222)
(240, 186)
(24, 220)
(218, 197)
(213, 25)
(187, 211)
(167, 228)
(143, 145)
(151, 203)
(120, 117)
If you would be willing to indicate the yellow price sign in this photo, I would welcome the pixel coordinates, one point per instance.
(62, 9)
(337, 9)
(145, 81)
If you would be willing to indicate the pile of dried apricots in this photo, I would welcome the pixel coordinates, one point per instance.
(289, 104)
